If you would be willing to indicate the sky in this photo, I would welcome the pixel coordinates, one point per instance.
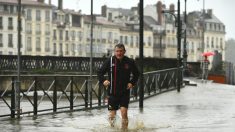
(222, 9)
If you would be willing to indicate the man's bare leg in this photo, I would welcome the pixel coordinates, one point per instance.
(112, 114)
(124, 117)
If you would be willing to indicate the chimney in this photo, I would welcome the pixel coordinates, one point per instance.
(159, 12)
(49, 2)
(172, 7)
(41, 1)
(210, 12)
(60, 4)
(104, 10)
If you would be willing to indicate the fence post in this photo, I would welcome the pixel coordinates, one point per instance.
(12, 98)
(71, 94)
(86, 94)
(99, 94)
(55, 96)
(35, 97)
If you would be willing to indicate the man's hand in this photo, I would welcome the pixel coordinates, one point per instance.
(106, 83)
(129, 86)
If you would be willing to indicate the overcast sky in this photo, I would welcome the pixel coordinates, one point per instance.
(223, 9)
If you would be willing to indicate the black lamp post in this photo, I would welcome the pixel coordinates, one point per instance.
(141, 52)
(185, 55)
(178, 47)
(178, 24)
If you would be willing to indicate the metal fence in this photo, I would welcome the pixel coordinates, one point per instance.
(41, 94)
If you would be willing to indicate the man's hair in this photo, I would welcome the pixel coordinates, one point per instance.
(120, 45)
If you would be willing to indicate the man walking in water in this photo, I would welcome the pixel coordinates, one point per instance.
(119, 82)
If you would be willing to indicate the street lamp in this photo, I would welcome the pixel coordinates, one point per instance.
(178, 24)
(185, 55)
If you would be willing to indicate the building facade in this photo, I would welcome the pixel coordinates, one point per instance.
(49, 30)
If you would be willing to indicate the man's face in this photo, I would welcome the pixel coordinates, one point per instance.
(119, 52)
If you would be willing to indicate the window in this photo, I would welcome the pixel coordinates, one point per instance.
(47, 45)
(38, 15)
(47, 16)
(11, 9)
(81, 35)
(132, 41)
(73, 35)
(67, 35)
(149, 41)
(38, 45)
(29, 14)
(29, 28)
(66, 49)
(54, 49)
(61, 50)
(10, 23)
(73, 49)
(47, 29)
(61, 34)
(1, 27)
(29, 44)
(110, 17)
(10, 40)
(221, 43)
(38, 29)
(207, 42)
(54, 35)
(1, 8)
(137, 41)
(110, 37)
(5, 8)
(1, 44)
(212, 42)
(126, 39)
(121, 39)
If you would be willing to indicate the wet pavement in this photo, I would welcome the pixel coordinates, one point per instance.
(207, 107)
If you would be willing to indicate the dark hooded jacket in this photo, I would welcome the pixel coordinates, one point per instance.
(123, 72)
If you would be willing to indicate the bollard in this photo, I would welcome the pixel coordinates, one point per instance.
(71, 94)
(99, 94)
(35, 97)
(55, 96)
(12, 98)
(86, 94)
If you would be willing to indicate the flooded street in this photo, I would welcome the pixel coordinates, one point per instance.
(207, 107)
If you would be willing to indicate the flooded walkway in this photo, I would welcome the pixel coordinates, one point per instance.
(207, 107)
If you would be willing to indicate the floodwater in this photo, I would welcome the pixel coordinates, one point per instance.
(208, 107)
